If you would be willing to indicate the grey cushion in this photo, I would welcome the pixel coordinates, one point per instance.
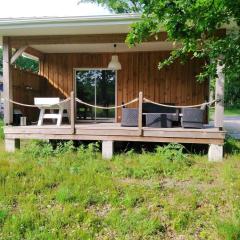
(192, 118)
(129, 117)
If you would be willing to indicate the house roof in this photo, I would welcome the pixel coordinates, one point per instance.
(105, 24)
(115, 23)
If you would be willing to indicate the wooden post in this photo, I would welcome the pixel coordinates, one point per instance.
(140, 102)
(219, 94)
(7, 81)
(72, 109)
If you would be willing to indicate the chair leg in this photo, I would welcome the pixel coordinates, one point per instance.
(60, 116)
(53, 120)
(41, 115)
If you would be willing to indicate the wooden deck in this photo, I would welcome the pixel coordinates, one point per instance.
(114, 132)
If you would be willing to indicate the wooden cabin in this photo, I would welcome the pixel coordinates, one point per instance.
(73, 49)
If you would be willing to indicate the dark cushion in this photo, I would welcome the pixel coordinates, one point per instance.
(159, 120)
(153, 108)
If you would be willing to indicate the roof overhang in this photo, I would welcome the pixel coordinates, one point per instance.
(67, 25)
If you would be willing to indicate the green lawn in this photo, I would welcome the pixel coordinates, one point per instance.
(228, 112)
(232, 111)
(70, 193)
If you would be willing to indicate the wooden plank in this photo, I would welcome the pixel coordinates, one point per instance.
(17, 54)
(109, 132)
(140, 103)
(114, 138)
(72, 111)
(17, 41)
(182, 134)
(7, 80)
(34, 52)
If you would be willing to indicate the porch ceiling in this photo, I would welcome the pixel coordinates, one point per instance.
(103, 47)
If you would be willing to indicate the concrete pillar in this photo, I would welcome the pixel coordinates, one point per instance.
(215, 153)
(12, 144)
(107, 149)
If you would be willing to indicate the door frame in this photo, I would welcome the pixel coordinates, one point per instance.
(88, 69)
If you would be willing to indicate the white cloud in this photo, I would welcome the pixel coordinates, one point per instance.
(50, 8)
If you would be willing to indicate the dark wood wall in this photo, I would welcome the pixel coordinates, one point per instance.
(174, 84)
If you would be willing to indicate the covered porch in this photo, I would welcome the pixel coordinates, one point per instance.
(69, 53)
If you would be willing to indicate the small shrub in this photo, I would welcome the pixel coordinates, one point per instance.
(88, 153)
(39, 149)
(1, 129)
(172, 152)
(44, 149)
(232, 146)
(64, 147)
(172, 158)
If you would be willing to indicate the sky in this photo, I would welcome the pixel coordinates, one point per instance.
(50, 8)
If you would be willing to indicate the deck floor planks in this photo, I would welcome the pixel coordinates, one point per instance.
(113, 131)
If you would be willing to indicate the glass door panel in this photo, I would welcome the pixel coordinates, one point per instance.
(96, 87)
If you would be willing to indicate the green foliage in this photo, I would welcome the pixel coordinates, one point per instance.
(22, 63)
(120, 6)
(192, 25)
(229, 230)
(1, 129)
(42, 149)
(232, 146)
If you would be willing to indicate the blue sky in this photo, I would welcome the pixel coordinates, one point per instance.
(50, 8)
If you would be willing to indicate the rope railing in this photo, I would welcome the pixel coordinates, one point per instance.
(106, 108)
(35, 106)
(187, 106)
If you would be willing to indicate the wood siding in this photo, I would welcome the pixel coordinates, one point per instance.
(174, 84)
(27, 86)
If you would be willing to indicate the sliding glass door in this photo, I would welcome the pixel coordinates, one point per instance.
(97, 87)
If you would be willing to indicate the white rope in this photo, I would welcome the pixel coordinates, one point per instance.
(172, 106)
(100, 107)
(34, 106)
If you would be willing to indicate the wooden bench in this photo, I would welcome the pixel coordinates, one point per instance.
(51, 104)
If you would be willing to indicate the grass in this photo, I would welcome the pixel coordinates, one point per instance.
(232, 111)
(68, 193)
(228, 112)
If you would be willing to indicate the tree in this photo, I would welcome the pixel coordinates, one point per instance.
(22, 63)
(194, 25)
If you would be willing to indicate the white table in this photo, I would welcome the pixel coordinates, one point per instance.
(51, 104)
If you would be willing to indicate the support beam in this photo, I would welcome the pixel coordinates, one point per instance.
(18, 41)
(12, 144)
(7, 81)
(72, 111)
(34, 52)
(219, 94)
(140, 103)
(17, 54)
(215, 153)
(107, 149)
